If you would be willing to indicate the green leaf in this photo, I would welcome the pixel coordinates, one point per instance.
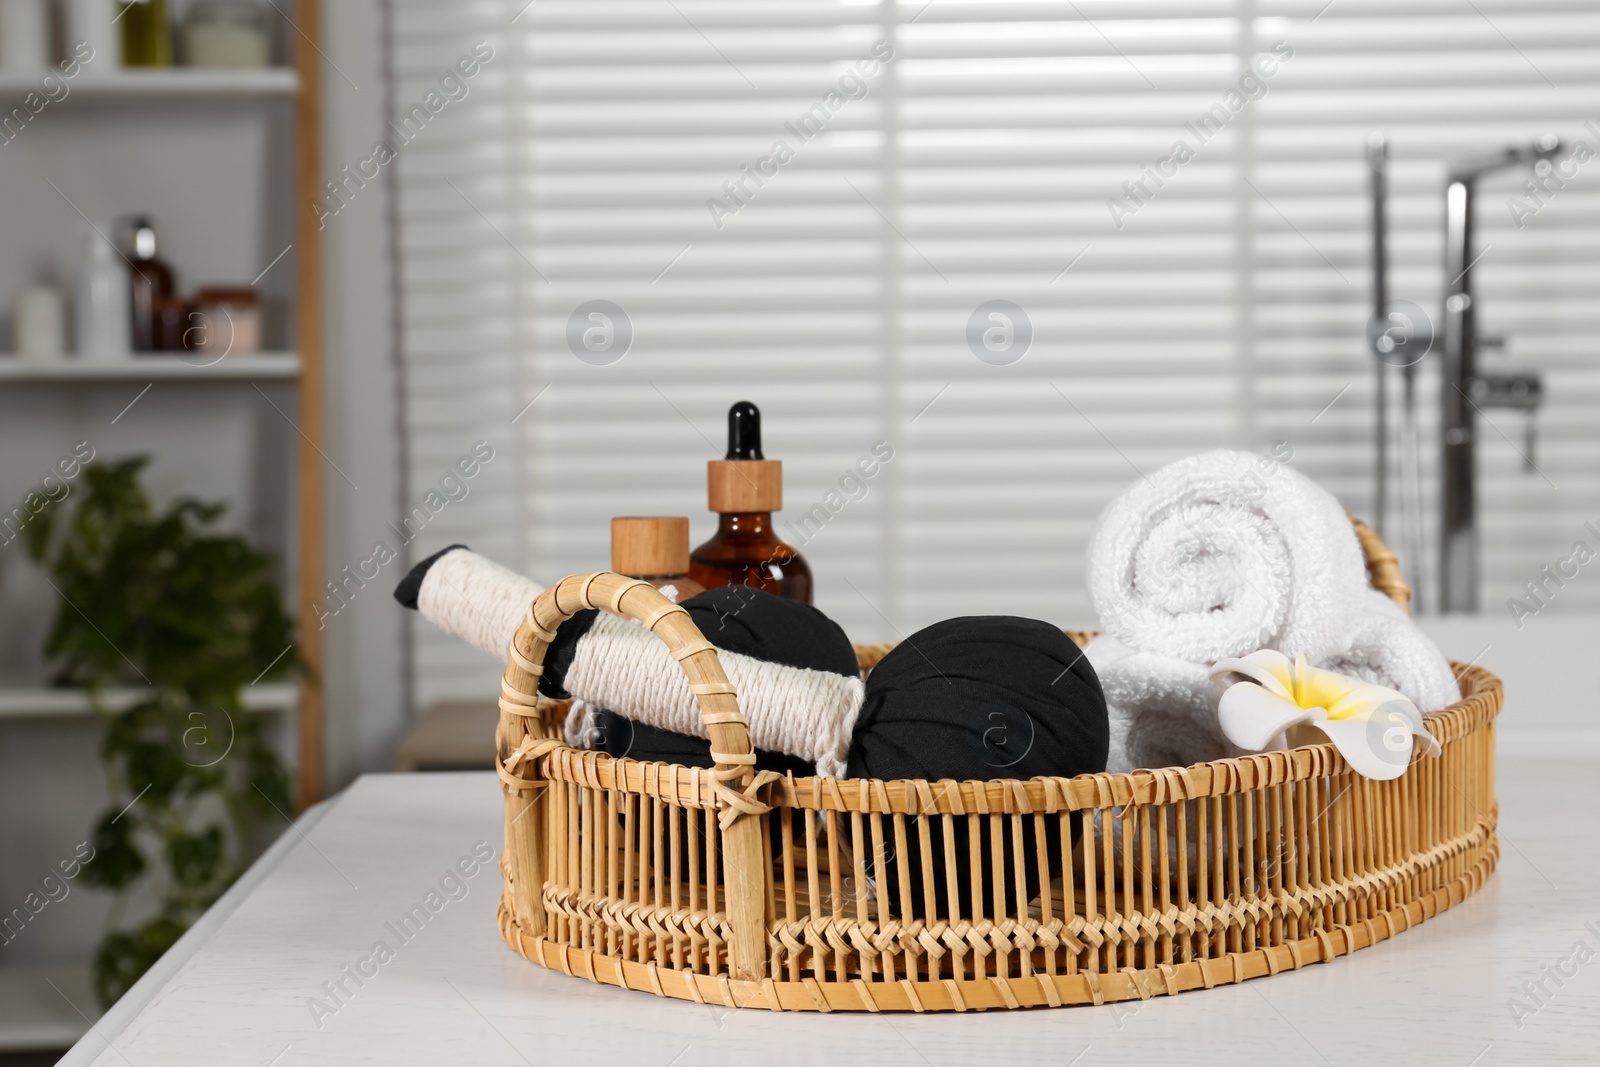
(191, 614)
(117, 862)
(196, 859)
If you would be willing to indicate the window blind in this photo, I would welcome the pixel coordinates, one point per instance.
(979, 243)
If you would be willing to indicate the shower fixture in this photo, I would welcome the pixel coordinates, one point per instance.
(1400, 335)
(1466, 389)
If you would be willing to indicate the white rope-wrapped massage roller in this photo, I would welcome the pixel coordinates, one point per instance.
(621, 664)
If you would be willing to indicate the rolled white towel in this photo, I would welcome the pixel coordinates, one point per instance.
(1387, 648)
(1219, 555)
(1223, 553)
(1163, 710)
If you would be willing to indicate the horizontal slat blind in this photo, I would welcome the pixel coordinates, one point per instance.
(975, 165)
(1018, 123)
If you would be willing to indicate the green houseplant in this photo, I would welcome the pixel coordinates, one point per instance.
(165, 602)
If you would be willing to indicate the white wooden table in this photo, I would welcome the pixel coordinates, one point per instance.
(240, 989)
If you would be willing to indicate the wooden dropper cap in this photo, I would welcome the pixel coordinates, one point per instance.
(744, 481)
(654, 546)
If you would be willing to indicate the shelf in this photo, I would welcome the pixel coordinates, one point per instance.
(267, 366)
(40, 702)
(174, 81)
(37, 1018)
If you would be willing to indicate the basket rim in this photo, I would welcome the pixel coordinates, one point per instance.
(1482, 696)
(734, 753)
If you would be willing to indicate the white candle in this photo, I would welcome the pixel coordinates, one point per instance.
(40, 323)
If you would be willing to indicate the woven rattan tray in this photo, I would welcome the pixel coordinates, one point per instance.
(740, 888)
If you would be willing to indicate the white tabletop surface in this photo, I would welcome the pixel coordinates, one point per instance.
(239, 990)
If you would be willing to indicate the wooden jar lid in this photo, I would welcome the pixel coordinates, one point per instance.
(650, 546)
(744, 485)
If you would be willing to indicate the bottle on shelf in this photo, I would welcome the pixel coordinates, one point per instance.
(101, 306)
(94, 22)
(656, 549)
(150, 282)
(24, 36)
(744, 489)
(146, 37)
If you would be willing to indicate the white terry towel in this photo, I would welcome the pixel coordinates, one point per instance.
(1219, 555)
(1386, 648)
(1163, 710)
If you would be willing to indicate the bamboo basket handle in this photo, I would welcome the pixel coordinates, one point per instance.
(719, 706)
(747, 868)
(1383, 566)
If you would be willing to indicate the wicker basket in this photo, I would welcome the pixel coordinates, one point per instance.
(686, 882)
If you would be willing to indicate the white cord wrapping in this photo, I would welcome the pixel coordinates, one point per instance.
(620, 665)
(476, 599)
(581, 728)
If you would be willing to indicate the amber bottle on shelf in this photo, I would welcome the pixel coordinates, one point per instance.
(151, 282)
(744, 489)
(655, 548)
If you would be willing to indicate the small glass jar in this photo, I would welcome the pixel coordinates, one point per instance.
(225, 322)
(227, 33)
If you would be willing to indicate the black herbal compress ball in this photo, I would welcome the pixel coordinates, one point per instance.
(981, 697)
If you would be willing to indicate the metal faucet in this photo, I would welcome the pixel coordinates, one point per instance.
(1465, 389)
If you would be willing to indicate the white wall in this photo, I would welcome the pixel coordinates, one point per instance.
(365, 699)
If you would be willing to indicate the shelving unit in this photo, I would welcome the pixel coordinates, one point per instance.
(265, 366)
(39, 702)
(228, 163)
(176, 81)
(239, 143)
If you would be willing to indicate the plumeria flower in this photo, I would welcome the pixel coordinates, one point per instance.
(1375, 728)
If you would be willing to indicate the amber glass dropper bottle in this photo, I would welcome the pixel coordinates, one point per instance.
(744, 489)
